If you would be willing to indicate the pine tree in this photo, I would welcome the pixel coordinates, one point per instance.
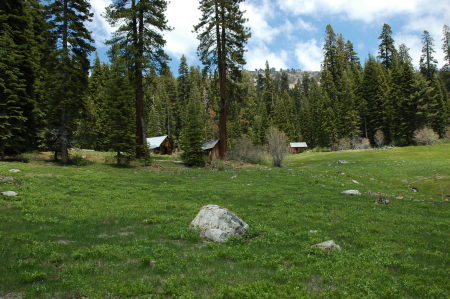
(404, 109)
(193, 154)
(339, 79)
(386, 49)
(141, 24)
(374, 97)
(438, 108)
(92, 128)
(268, 91)
(428, 64)
(120, 109)
(22, 36)
(222, 37)
(183, 93)
(445, 71)
(446, 44)
(72, 48)
(421, 98)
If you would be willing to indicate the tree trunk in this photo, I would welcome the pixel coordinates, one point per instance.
(221, 56)
(138, 31)
(63, 138)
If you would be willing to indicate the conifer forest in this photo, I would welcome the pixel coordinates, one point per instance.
(52, 97)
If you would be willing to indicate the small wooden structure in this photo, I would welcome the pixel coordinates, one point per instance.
(211, 148)
(162, 145)
(298, 147)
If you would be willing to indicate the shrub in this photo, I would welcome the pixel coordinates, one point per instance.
(319, 149)
(379, 138)
(276, 145)
(342, 144)
(217, 164)
(245, 151)
(425, 136)
(360, 143)
(79, 160)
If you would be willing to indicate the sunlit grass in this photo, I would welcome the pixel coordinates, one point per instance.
(101, 231)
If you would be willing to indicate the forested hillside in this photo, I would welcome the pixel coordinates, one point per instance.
(53, 99)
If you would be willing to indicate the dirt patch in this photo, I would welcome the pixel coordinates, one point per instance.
(40, 175)
(124, 234)
(15, 295)
(65, 242)
(105, 236)
(6, 179)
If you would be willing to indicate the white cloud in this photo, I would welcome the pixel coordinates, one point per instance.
(413, 42)
(101, 30)
(362, 10)
(306, 26)
(258, 16)
(420, 15)
(309, 55)
(182, 15)
(257, 57)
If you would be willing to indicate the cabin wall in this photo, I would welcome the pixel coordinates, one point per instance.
(298, 150)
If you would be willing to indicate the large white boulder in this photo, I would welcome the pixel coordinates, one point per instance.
(328, 246)
(9, 193)
(218, 224)
(351, 192)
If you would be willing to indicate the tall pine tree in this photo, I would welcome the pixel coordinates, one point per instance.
(386, 49)
(141, 24)
(222, 37)
(428, 64)
(73, 44)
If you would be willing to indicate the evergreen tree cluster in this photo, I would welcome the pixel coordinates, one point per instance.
(51, 98)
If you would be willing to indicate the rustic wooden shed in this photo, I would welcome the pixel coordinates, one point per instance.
(211, 148)
(298, 147)
(162, 145)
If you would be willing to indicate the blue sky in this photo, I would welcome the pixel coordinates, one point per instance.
(290, 33)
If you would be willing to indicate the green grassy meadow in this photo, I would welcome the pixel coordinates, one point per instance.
(100, 231)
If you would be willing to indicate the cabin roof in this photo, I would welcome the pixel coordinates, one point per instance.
(155, 142)
(298, 144)
(209, 144)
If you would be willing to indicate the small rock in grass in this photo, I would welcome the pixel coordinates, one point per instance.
(342, 162)
(14, 170)
(383, 201)
(218, 224)
(233, 177)
(400, 197)
(372, 179)
(356, 182)
(329, 245)
(313, 231)
(9, 193)
(413, 189)
(351, 192)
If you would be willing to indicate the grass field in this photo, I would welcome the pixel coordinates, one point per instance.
(100, 231)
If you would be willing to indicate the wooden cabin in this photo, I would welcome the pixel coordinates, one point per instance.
(298, 147)
(211, 148)
(162, 145)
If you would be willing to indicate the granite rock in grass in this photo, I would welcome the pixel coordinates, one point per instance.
(218, 224)
(9, 193)
(329, 245)
(351, 192)
(14, 170)
(342, 162)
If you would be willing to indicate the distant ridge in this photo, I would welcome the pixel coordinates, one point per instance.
(293, 74)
